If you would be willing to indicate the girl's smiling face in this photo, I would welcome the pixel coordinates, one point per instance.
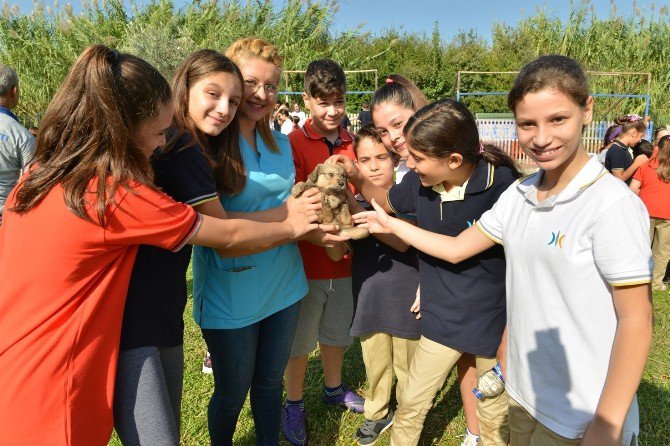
(213, 102)
(389, 119)
(431, 170)
(549, 126)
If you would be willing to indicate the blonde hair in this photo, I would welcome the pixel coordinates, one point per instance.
(249, 48)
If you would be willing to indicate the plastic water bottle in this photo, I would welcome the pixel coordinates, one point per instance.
(490, 384)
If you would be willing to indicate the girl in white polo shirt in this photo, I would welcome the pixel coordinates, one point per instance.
(576, 241)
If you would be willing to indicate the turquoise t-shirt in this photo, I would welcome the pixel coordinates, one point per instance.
(236, 292)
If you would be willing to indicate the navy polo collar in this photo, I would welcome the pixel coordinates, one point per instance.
(480, 180)
(8, 112)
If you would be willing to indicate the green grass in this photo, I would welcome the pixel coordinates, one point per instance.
(445, 422)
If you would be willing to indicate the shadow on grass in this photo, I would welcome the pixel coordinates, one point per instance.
(654, 414)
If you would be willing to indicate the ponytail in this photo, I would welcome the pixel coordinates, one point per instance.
(88, 130)
(497, 157)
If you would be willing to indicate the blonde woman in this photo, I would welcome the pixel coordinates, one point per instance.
(248, 306)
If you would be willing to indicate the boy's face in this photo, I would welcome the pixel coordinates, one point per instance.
(326, 113)
(375, 162)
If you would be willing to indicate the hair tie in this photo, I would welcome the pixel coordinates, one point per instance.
(634, 118)
(481, 148)
(614, 134)
(114, 56)
(389, 80)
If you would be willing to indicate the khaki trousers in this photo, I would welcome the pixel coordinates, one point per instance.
(525, 430)
(659, 232)
(384, 354)
(430, 367)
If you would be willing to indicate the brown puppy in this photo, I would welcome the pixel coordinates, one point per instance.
(331, 180)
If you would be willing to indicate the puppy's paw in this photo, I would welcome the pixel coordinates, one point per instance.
(298, 189)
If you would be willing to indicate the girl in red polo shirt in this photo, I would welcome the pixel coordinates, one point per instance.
(652, 183)
(68, 242)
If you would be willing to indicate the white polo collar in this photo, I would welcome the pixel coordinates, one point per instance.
(591, 172)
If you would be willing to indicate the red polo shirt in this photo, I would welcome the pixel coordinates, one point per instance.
(309, 149)
(63, 288)
(654, 193)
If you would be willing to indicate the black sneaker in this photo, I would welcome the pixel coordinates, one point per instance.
(370, 430)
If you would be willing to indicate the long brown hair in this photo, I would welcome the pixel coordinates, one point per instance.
(87, 132)
(222, 150)
(447, 126)
(663, 169)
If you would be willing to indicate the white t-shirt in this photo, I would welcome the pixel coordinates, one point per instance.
(400, 171)
(287, 127)
(563, 256)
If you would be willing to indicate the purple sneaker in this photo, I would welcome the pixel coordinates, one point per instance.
(293, 424)
(347, 399)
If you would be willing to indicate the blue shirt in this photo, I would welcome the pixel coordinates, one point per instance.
(237, 292)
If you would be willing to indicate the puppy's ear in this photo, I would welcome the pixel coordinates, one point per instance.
(314, 176)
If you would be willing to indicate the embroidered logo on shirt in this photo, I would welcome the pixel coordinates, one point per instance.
(557, 239)
(4, 137)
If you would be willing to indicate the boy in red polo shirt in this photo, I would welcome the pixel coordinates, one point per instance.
(327, 310)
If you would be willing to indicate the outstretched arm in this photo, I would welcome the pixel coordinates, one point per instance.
(311, 199)
(235, 234)
(452, 249)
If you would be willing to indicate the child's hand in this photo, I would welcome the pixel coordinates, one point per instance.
(377, 221)
(416, 306)
(324, 235)
(601, 433)
(348, 165)
(640, 160)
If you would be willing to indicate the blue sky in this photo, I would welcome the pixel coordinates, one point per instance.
(452, 15)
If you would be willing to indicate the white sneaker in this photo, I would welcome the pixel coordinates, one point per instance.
(470, 440)
(207, 364)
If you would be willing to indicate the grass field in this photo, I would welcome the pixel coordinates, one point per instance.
(445, 423)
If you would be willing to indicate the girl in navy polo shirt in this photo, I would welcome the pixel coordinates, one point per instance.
(391, 106)
(453, 181)
(578, 270)
(618, 160)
